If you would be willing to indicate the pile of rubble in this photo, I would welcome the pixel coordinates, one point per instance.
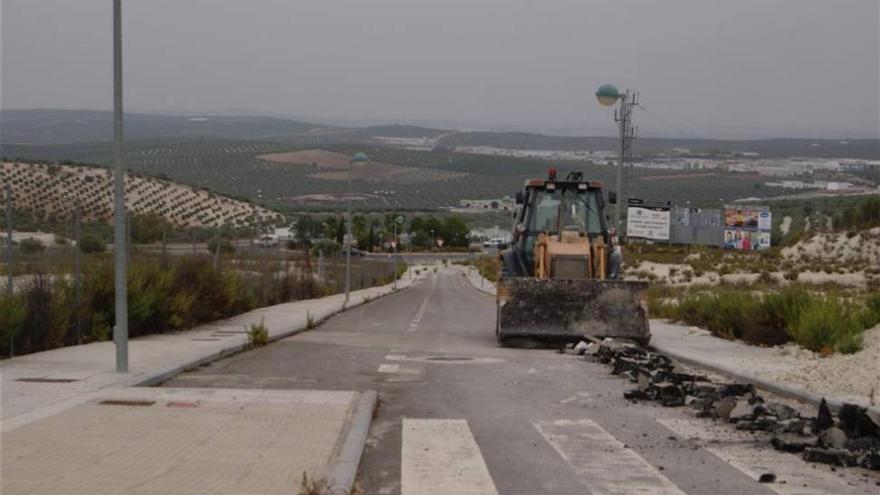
(852, 438)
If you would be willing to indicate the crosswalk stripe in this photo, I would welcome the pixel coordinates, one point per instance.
(441, 457)
(604, 464)
(792, 475)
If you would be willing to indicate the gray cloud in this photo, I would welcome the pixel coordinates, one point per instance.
(727, 68)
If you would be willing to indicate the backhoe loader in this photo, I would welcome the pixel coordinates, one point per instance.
(561, 276)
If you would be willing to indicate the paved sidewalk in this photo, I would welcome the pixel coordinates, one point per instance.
(79, 374)
(759, 365)
(145, 440)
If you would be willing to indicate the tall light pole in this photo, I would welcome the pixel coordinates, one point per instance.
(357, 158)
(609, 95)
(397, 221)
(120, 329)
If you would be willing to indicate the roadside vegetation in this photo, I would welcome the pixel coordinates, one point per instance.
(821, 289)
(488, 266)
(162, 297)
(824, 323)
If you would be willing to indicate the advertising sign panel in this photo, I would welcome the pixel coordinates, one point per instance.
(745, 240)
(741, 217)
(648, 223)
(765, 220)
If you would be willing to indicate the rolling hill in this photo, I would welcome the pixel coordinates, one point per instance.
(52, 191)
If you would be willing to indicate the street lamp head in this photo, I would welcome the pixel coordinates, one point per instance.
(359, 158)
(607, 95)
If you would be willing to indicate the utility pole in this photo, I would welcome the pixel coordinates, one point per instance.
(9, 281)
(120, 329)
(623, 117)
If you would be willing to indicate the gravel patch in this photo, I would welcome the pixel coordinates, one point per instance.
(852, 377)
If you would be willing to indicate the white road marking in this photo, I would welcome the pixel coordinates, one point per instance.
(395, 357)
(414, 325)
(603, 462)
(389, 368)
(441, 457)
(793, 476)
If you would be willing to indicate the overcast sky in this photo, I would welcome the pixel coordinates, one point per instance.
(722, 68)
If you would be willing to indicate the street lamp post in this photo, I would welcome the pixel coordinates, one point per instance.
(359, 158)
(120, 329)
(609, 95)
(397, 221)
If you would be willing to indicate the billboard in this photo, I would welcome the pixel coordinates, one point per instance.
(648, 223)
(747, 229)
(741, 217)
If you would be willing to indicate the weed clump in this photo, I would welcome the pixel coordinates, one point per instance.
(258, 334)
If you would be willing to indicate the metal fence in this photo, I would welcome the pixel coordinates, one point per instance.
(696, 226)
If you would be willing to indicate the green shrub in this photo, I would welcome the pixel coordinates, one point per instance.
(737, 314)
(12, 315)
(31, 246)
(92, 244)
(827, 326)
(326, 246)
(225, 245)
(258, 334)
(869, 314)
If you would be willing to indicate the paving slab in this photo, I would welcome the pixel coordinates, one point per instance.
(194, 441)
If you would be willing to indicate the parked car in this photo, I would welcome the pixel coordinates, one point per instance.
(267, 241)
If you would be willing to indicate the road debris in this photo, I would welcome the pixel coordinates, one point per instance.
(852, 438)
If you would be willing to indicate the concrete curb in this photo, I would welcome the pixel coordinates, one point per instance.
(786, 391)
(348, 458)
(169, 373)
(485, 286)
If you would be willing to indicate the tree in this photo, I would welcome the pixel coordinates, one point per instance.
(31, 246)
(224, 244)
(340, 231)
(92, 244)
(456, 232)
(148, 227)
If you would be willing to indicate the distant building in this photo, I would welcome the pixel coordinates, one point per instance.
(839, 186)
(505, 203)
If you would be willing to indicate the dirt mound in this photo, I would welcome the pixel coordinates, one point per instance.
(855, 247)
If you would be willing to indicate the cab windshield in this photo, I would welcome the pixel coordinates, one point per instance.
(566, 210)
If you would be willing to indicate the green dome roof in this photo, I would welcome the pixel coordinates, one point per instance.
(607, 91)
(359, 157)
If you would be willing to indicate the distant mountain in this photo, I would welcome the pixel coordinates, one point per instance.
(42, 127)
(76, 126)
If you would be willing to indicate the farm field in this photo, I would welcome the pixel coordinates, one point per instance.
(274, 174)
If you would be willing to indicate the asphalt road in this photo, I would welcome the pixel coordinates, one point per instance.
(509, 420)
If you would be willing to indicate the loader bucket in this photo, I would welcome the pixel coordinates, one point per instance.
(562, 311)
